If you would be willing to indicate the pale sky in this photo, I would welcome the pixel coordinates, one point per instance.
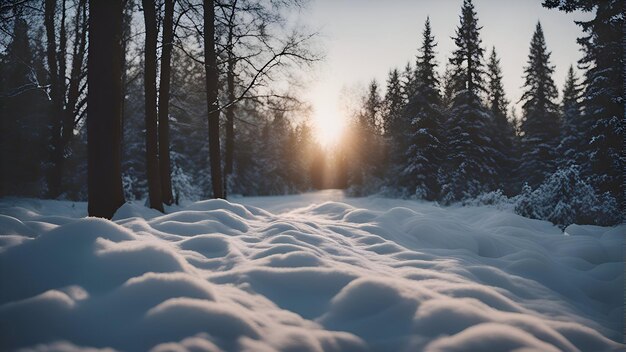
(364, 39)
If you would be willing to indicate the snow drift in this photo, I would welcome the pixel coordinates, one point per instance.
(304, 274)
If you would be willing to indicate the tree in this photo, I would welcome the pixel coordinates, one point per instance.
(164, 103)
(369, 122)
(469, 168)
(372, 109)
(572, 149)
(152, 157)
(502, 131)
(408, 81)
(23, 102)
(212, 76)
(66, 92)
(104, 122)
(422, 158)
(603, 98)
(393, 104)
(540, 121)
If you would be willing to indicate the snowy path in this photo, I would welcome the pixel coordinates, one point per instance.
(310, 272)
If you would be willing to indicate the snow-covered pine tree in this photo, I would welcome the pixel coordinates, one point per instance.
(469, 168)
(372, 108)
(572, 148)
(540, 122)
(408, 81)
(393, 104)
(447, 87)
(503, 132)
(394, 125)
(603, 99)
(372, 153)
(423, 156)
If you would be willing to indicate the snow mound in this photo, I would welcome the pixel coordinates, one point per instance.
(324, 273)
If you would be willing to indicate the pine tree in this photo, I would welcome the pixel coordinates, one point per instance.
(603, 98)
(372, 109)
(540, 123)
(422, 158)
(469, 168)
(392, 104)
(447, 87)
(408, 81)
(502, 132)
(496, 99)
(572, 149)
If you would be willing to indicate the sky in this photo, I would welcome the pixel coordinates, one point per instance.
(364, 39)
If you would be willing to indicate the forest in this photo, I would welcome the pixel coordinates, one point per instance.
(202, 99)
(164, 185)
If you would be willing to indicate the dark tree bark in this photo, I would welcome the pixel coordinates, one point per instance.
(164, 97)
(210, 66)
(230, 109)
(104, 129)
(54, 173)
(66, 98)
(230, 128)
(152, 159)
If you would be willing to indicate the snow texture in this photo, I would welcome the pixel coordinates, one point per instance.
(315, 272)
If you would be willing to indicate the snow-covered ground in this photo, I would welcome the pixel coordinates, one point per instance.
(314, 272)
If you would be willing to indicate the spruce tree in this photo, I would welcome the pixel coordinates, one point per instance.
(469, 168)
(502, 131)
(572, 149)
(392, 105)
(408, 81)
(603, 98)
(371, 155)
(372, 108)
(422, 158)
(540, 121)
(447, 88)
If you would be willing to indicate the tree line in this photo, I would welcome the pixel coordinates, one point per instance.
(451, 137)
(165, 99)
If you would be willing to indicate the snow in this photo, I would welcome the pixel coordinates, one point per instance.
(312, 272)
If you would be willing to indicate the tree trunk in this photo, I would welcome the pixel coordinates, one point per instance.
(64, 96)
(54, 173)
(230, 109)
(152, 159)
(164, 97)
(230, 128)
(210, 66)
(104, 129)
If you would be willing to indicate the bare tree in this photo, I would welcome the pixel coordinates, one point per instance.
(249, 57)
(164, 96)
(67, 93)
(212, 77)
(150, 74)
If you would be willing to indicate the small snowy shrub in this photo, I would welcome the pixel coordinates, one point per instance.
(565, 198)
(183, 186)
(494, 198)
(128, 180)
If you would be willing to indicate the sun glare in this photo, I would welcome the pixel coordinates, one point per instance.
(328, 126)
(328, 121)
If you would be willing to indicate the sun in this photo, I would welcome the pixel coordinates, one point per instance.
(328, 126)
